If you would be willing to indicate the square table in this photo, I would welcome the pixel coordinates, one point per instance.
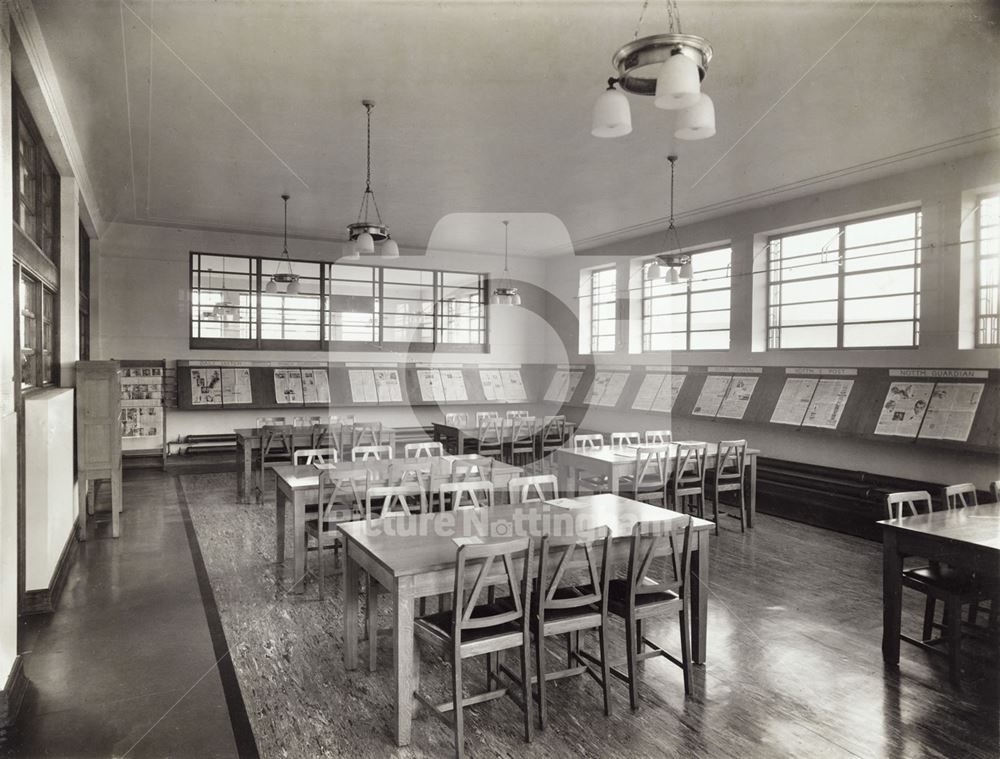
(414, 557)
(615, 462)
(966, 538)
(299, 486)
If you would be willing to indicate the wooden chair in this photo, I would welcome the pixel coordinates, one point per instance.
(939, 583)
(516, 414)
(366, 433)
(473, 629)
(519, 488)
(553, 437)
(275, 448)
(649, 477)
(957, 496)
(269, 421)
(521, 440)
(621, 439)
(687, 485)
(645, 593)
(995, 491)
(377, 452)
(471, 467)
(727, 477)
(479, 492)
(490, 437)
(329, 435)
(565, 609)
(416, 450)
(482, 416)
(458, 419)
(339, 502)
(588, 442)
(307, 456)
(658, 437)
(582, 444)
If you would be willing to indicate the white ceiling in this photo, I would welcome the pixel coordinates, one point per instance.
(484, 107)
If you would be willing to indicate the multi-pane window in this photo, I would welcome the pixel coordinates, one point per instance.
(223, 297)
(294, 316)
(850, 285)
(36, 327)
(988, 270)
(602, 294)
(691, 314)
(36, 184)
(461, 310)
(84, 271)
(337, 305)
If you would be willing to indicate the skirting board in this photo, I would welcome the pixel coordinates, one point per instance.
(11, 697)
(45, 600)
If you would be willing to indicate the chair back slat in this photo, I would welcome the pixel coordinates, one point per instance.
(366, 433)
(730, 461)
(587, 442)
(307, 456)
(520, 488)
(377, 452)
(660, 437)
(957, 496)
(394, 499)
(475, 490)
(621, 439)
(649, 540)
(418, 450)
(559, 554)
(908, 503)
(483, 557)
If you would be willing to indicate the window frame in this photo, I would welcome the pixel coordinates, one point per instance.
(688, 292)
(592, 334)
(43, 168)
(324, 342)
(841, 276)
(978, 258)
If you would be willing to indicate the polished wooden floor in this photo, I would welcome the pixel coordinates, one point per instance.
(794, 664)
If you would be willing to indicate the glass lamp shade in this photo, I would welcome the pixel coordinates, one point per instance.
(271, 286)
(672, 275)
(612, 115)
(678, 84)
(365, 243)
(698, 121)
(350, 252)
(389, 249)
(293, 287)
(686, 270)
(655, 270)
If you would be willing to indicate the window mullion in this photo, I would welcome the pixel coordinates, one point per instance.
(841, 266)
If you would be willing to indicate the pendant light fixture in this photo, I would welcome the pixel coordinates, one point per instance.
(680, 62)
(364, 233)
(676, 265)
(505, 294)
(290, 279)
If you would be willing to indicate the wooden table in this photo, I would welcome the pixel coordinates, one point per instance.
(414, 557)
(455, 438)
(615, 463)
(966, 538)
(248, 440)
(299, 486)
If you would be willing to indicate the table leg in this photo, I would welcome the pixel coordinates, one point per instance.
(279, 527)
(752, 511)
(351, 581)
(892, 596)
(243, 460)
(613, 480)
(116, 502)
(402, 655)
(299, 540)
(83, 510)
(699, 601)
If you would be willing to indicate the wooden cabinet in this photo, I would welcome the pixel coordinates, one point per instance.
(98, 437)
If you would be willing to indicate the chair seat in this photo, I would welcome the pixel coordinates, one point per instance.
(618, 595)
(440, 627)
(947, 580)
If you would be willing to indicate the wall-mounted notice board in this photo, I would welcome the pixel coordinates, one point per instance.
(146, 391)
